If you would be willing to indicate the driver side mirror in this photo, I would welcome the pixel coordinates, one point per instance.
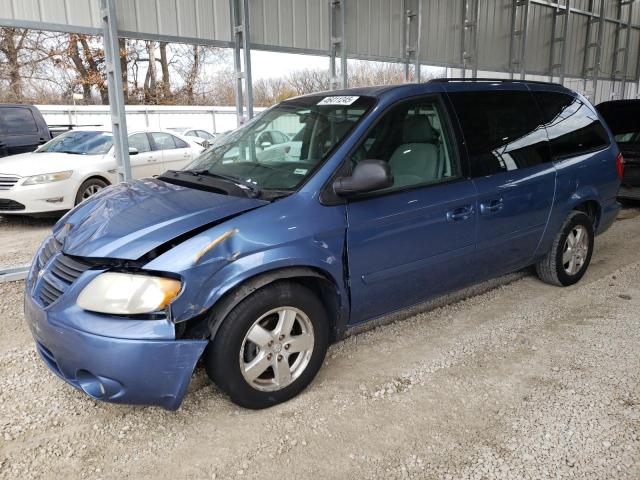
(264, 145)
(133, 151)
(367, 176)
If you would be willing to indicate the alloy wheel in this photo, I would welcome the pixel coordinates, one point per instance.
(90, 191)
(576, 249)
(277, 349)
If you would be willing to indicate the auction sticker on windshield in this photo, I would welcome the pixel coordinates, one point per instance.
(338, 100)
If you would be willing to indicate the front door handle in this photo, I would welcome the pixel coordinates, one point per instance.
(460, 213)
(492, 206)
(152, 159)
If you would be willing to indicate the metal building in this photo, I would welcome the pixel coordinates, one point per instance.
(591, 46)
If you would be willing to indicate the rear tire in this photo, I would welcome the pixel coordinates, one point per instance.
(270, 346)
(89, 188)
(569, 256)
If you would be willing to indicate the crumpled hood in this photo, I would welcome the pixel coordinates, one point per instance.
(127, 221)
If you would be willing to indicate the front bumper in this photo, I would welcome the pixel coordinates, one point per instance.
(120, 370)
(47, 197)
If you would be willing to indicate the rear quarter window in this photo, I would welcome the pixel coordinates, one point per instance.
(502, 130)
(573, 127)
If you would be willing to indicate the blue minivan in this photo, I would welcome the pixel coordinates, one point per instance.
(254, 258)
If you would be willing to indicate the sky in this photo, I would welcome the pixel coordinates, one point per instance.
(275, 64)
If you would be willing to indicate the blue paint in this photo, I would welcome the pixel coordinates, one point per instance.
(382, 253)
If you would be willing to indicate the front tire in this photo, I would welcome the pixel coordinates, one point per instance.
(270, 346)
(89, 188)
(570, 254)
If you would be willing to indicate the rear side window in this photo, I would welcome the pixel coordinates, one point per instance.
(502, 130)
(180, 143)
(572, 126)
(16, 120)
(166, 141)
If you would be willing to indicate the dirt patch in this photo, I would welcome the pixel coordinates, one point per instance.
(523, 381)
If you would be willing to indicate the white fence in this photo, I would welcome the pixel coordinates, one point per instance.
(212, 119)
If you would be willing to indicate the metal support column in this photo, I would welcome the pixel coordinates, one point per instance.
(518, 43)
(617, 49)
(627, 50)
(242, 58)
(561, 13)
(412, 38)
(115, 88)
(598, 52)
(337, 39)
(593, 46)
(469, 40)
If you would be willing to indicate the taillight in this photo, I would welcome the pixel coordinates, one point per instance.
(620, 165)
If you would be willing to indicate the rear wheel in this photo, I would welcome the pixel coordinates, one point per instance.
(270, 347)
(570, 254)
(89, 189)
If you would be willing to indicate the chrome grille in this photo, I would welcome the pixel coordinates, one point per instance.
(60, 275)
(8, 181)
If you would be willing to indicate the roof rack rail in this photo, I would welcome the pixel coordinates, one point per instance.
(480, 79)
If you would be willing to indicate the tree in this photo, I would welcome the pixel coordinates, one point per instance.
(87, 56)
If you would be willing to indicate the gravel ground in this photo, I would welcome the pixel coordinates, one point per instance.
(20, 237)
(523, 381)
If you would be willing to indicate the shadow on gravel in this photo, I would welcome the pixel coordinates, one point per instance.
(17, 221)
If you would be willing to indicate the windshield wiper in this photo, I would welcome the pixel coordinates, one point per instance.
(255, 190)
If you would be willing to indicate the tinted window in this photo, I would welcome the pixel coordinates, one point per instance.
(502, 130)
(140, 141)
(16, 120)
(572, 126)
(412, 137)
(164, 141)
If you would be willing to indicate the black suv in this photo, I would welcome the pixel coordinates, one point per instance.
(22, 129)
(623, 118)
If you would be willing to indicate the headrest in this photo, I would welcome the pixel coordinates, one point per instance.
(418, 129)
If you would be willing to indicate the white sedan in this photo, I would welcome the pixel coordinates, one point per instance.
(70, 168)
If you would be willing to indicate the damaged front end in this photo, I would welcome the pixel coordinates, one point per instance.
(121, 299)
(119, 353)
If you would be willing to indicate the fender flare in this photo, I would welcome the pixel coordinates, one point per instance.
(235, 295)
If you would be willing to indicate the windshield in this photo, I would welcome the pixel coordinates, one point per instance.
(79, 143)
(260, 153)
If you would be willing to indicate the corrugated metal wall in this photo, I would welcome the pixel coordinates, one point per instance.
(375, 30)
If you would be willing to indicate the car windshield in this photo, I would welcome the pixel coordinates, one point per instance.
(258, 154)
(79, 142)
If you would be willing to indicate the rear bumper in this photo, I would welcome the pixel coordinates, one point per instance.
(608, 215)
(629, 193)
(129, 371)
